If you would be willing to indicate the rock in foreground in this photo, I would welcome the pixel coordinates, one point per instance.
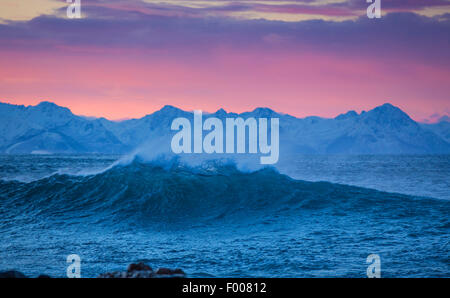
(12, 274)
(139, 270)
(142, 270)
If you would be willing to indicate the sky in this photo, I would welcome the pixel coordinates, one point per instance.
(125, 59)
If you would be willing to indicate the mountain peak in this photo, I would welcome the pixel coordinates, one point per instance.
(349, 114)
(264, 112)
(169, 108)
(167, 112)
(387, 106)
(388, 114)
(390, 109)
(48, 106)
(220, 112)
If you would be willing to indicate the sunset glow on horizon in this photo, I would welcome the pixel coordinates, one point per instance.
(127, 59)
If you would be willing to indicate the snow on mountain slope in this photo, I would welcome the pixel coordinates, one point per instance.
(47, 127)
(136, 131)
(442, 128)
(385, 129)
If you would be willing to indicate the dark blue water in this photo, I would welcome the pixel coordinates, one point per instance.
(216, 221)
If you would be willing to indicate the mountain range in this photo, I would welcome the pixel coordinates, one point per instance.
(49, 128)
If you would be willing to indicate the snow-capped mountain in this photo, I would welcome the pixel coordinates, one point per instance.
(50, 128)
(442, 128)
(47, 127)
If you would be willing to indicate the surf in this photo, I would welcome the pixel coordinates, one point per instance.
(142, 193)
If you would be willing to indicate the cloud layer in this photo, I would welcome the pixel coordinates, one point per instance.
(128, 58)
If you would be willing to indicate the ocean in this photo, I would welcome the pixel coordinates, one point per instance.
(312, 216)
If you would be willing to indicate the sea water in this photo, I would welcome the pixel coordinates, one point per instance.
(314, 216)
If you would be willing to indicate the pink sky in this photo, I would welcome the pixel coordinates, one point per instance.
(115, 69)
(119, 86)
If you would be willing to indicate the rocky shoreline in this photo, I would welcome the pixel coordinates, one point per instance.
(135, 270)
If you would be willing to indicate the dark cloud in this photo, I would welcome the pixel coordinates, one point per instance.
(401, 34)
(343, 9)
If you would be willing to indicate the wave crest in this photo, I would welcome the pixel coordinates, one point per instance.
(139, 193)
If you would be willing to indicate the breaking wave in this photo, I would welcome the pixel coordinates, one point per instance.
(141, 193)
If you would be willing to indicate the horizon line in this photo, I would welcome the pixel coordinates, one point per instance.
(424, 121)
